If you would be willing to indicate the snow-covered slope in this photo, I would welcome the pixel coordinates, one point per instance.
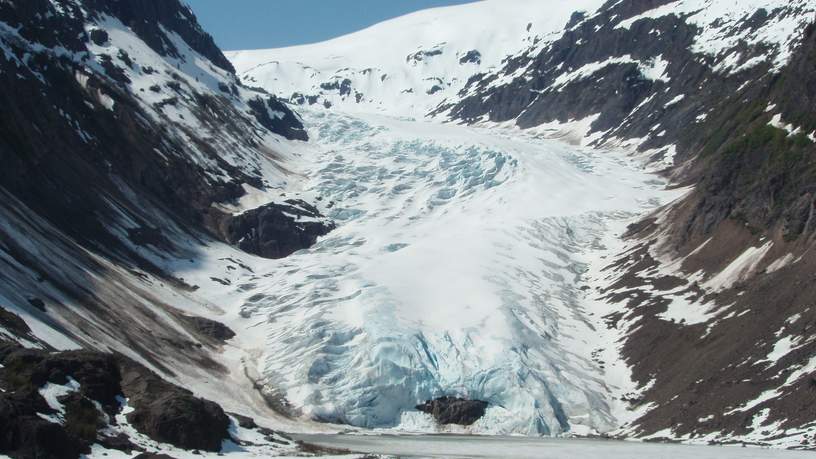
(407, 66)
(127, 142)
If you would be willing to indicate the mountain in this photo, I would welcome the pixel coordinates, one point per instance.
(715, 323)
(586, 219)
(405, 66)
(128, 144)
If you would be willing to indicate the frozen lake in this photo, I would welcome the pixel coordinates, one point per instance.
(457, 446)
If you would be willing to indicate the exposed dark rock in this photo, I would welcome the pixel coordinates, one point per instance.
(120, 442)
(343, 87)
(25, 435)
(162, 411)
(148, 236)
(420, 56)
(99, 37)
(244, 421)
(471, 57)
(13, 323)
(210, 328)
(82, 419)
(114, 71)
(276, 230)
(153, 456)
(147, 17)
(37, 303)
(170, 414)
(97, 373)
(275, 116)
(452, 410)
(434, 89)
(125, 58)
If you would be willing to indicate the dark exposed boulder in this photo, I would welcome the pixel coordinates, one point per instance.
(170, 414)
(210, 328)
(244, 421)
(13, 323)
(275, 116)
(99, 36)
(25, 435)
(434, 89)
(452, 410)
(37, 303)
(276, 230)
(471, 57)
(120, 442)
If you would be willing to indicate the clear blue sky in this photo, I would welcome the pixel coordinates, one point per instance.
(252, 24)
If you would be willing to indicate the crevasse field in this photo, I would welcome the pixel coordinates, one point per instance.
(460, 267)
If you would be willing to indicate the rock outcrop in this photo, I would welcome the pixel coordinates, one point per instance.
(124, 129)
(453, 410)
(276, 230)
(31, 427)
(170, 414)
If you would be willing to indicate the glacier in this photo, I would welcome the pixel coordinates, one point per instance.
(467, 259)
(459, 267)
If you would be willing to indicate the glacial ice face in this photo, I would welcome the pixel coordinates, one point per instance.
(456, 270)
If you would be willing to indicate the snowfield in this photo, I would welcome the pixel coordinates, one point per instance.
(410, 64)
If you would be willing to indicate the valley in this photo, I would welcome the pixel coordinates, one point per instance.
(470, 231)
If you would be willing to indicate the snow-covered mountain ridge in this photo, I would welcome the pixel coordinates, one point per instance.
(407, 66)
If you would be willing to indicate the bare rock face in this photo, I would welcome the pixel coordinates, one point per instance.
(275, 116)
(452, 410)
(164, 412)
(170, 414)
(23, 434)
(210, 328)
(276, 230)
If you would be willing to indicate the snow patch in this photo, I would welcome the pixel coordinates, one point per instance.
(739, 269)
(52, 393)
